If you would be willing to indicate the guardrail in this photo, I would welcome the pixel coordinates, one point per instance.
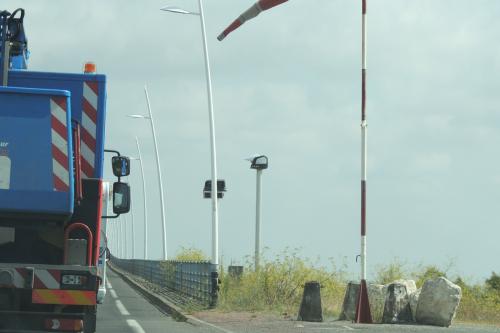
(196, 280)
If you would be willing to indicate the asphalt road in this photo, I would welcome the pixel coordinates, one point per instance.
(124, 310)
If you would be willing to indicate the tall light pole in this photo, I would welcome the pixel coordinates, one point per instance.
(160, 182)
(144, 198)
(121, 239)
(109, 234)
(132, 229)
(215, 217)
(259, 163)
(125, 238)
(118, 238)
(115, 239)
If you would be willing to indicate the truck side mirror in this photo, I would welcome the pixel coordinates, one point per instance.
(121, 198)
(121, 166)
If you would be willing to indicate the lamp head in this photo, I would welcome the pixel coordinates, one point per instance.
(259, 162)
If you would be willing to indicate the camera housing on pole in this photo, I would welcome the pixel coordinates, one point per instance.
(221, 188)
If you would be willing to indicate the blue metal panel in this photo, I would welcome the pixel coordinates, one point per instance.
(73, 83)
(26, 149)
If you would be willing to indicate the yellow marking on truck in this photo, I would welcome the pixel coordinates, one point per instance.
(71, 297)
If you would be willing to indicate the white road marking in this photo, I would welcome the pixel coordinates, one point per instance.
(134, 325)
(113, 293)
(208, 324)
(122, 308)
(108, 284)
(316, 328)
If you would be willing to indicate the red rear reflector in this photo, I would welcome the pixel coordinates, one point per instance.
(71, 325)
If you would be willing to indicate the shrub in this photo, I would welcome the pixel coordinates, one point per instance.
(494, 282)
(278, 286)
(391, 272)
(479, 304)
(190, 254)
(428, 273)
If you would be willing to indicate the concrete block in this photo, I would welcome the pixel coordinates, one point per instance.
(438, 302)
(397, 303)
(376, 297)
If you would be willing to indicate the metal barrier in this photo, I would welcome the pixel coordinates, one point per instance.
(196, 280)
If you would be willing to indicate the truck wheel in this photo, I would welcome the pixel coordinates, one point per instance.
(90, 320)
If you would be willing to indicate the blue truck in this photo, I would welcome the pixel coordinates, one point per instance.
(52, 191)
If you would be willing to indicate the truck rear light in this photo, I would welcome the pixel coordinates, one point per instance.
(74, 280)
(67, 325)
(6, 279)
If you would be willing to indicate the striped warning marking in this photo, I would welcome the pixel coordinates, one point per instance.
(59, 133)
(70, 297)
(47, 279)
(89, 127)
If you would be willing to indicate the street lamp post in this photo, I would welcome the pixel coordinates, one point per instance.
(118, 238)
(132, 229)
(259, 163)
(160, 182)
(113, 235)
(115, 240)
(109, 235)
(125, 238)
(215, 217)
(144, 198)
(121, 239)
(124, 242)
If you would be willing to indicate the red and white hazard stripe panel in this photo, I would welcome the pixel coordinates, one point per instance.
(60, 165)
(47, 279)
(89, 128)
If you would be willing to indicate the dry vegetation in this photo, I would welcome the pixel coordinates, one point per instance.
(278, 286)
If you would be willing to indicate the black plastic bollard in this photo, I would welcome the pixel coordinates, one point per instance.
(214, 293)
(310, 307)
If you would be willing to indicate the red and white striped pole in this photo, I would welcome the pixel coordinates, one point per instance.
(363, 313)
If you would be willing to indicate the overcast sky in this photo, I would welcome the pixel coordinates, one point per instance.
(287, 84)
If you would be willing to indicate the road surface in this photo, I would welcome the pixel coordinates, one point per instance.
(124, 310)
